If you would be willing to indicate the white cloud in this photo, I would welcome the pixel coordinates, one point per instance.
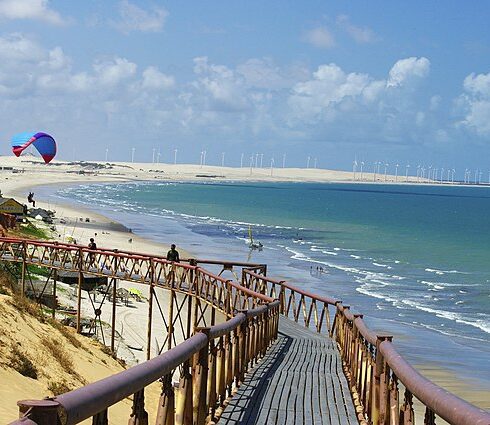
(17, 48)
(115, 99)
(407, 70)
(362, 35)
(154, 79)
(320, 37)
(263, 73)
(114, 71)
(38, 10)
(478, 85)
(475, 103)
(134, 18)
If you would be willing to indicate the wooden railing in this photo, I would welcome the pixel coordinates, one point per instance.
(374, 368)
(210, 362)
(214, 357)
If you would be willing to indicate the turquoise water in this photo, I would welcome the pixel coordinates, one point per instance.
(413, 259)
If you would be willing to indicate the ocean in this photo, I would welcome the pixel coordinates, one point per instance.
(414, 259)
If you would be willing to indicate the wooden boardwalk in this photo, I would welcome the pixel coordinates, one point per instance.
(299, 381)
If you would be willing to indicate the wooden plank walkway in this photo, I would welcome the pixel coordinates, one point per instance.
(299, 381)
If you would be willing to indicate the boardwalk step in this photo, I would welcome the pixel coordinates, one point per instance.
(299, 381)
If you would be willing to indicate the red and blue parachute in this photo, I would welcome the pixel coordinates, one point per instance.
(43, 142)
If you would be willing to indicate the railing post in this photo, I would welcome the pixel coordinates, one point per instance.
(183, 408)
(139, 416)
(24, 269)
(166, 405)
(114, 293)
(229, 362)
(221, 371)
(212, 388)
(200, 384)
(380, 393)
(150, 309)
(79, 290)
(243, 337)
(41, 412)
(55, 278)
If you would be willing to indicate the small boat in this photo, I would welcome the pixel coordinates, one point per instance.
(253, 244)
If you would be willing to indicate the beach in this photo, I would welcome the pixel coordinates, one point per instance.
(81, 221)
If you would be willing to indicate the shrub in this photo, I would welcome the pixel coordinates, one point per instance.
(59, 353)
(21, 363)
(26, 306)
(65, 332)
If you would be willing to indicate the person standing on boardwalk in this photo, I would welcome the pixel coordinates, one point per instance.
(92, 245)
(173, 254)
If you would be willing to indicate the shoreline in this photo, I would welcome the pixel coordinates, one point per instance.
(109, 235)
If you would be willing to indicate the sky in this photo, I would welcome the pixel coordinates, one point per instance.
(395, 82)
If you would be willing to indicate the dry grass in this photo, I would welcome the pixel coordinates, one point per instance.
(25, 306)
(21, 363)
(6, 284)
(65, 332)
(59, 353)
(59, 387)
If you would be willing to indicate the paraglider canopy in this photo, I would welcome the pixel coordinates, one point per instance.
(43, 142)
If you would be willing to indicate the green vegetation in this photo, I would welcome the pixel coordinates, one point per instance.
(40, 271)
(29, 230)
(21, 363)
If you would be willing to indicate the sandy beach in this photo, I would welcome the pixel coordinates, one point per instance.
(22, 175)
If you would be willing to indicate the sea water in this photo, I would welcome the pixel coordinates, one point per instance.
(414, 259)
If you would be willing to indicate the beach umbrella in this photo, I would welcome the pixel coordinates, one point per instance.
(43, 142)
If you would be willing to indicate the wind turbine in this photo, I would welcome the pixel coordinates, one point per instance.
(418, 173)
(374, 174)
(354, 168)
(429, 176)
(386, 167)
(272, 165)
(261, 158)
(158, 156)
(203, 157)
(308, 162)
(314, 166)
(283, 160)
(175, 156)
(106, 153)
(153, 156)
(256, 160)
(251, 164)
(406, 172)
(396, 172)
(132, 154)
(241, 160)
(442, 175)
(222, 159)
(362, 165)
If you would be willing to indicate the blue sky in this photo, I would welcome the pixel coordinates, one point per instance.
(383, 81)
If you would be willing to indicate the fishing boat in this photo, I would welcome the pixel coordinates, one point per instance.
(253, 244)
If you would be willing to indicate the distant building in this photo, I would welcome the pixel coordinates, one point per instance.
(11, 206)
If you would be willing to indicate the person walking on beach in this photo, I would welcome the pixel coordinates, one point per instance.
(173, 254)
(92, 245)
